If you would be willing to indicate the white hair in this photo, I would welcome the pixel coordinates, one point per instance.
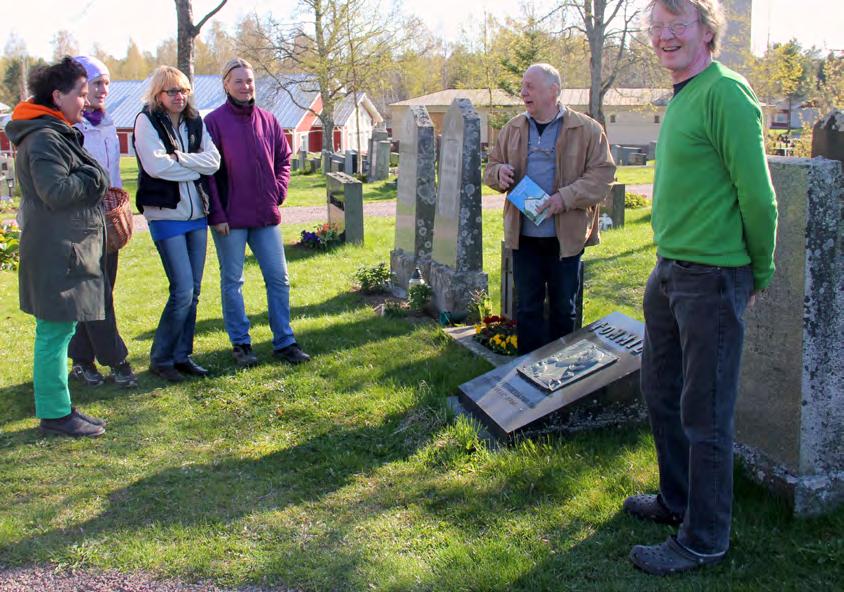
(552, 75)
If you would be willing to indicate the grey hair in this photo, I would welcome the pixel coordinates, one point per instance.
(552, 75)
(710, 13)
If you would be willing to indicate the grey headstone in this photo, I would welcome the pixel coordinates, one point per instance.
(350, 162)
(457, 266)
(294, 164)
(508, 402)
(615, 151)
(381, 165)
(344, 197)
(416, 196)
(828, 137)
(626, 154)
(302, 157)
(326, 161)
(613, 204)
(508, 283)
(394, 159)
(790, 411)
(651, 150)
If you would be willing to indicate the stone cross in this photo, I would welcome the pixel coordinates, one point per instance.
(457, 266)
(416, 197)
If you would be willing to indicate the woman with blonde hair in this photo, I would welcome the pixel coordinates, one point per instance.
(175, 154)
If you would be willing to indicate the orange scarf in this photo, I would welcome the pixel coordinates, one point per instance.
(30, 110)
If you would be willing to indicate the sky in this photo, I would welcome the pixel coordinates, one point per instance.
(111, 23)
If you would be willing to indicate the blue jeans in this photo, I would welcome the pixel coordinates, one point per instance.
(268, 248)
(183, 257)
(537, 264)
(690, 370)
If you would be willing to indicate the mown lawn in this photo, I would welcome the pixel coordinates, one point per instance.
(636, 175)
(304, 190)
(348, 473)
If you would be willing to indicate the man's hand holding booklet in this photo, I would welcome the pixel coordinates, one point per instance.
(529, 198)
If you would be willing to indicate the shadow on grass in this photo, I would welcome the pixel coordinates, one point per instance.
(17, 402)
(611, 258)
(231, 489)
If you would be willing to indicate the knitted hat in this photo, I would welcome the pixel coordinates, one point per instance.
(94, 68)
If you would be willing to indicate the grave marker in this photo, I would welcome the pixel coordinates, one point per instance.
(416, 198)
(457, 254)
(589, 378)
(344, 197)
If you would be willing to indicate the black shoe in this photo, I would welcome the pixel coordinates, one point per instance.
(73, 425)
(89, 418)
(651, 507)
(190, 368)
(86, 373)
(168, 373)
(243, 355)
(670, 557)
(292, 354)
(123, 376)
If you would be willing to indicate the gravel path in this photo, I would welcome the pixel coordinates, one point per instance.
(44, 579)
(377, 209)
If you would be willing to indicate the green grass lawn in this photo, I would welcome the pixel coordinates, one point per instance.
(636, 175)
(348, 473)
(304, 190)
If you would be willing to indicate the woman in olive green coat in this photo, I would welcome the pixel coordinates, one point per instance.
(62, 234)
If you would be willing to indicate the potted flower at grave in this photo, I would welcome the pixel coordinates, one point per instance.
(498, 334)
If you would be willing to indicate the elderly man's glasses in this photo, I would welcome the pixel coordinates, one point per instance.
(675, 29)
(172, 92)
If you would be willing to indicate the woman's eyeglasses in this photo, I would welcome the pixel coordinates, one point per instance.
(172, 92)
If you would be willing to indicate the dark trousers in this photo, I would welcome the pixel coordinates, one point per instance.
(100, 339)
(537, 265)
(690, 370)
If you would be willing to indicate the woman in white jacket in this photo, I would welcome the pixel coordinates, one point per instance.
(175, 154)
(101, 340)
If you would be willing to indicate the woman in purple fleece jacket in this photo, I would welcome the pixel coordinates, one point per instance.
(245, 196)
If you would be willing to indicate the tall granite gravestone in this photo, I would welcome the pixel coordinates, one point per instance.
(457, 265)
(344, 197)
(380, 167)
(416, 198)
(589, 378)
(302, 157)
(790, 410)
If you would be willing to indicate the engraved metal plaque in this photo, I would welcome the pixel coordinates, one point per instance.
(568, 365)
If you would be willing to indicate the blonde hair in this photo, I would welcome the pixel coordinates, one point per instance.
(233, 64)
(710, 13)
(166, 77)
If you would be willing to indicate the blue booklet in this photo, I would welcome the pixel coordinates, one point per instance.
(528, 197)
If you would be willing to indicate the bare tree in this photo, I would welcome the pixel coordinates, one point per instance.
(337, 49)
(187, 32)
(609, 27)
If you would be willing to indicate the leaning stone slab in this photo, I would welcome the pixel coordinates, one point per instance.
(595, 382)
(457, 255)
(790, 410)
(416, 198)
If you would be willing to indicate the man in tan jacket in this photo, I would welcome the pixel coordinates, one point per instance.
(566, 153)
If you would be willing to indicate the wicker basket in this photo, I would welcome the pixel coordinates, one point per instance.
(118, 216)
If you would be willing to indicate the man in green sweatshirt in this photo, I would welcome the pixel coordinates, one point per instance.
(714, 221)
